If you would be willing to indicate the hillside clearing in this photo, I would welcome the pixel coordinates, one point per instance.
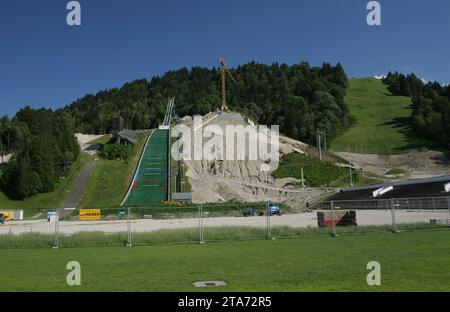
(382, 121)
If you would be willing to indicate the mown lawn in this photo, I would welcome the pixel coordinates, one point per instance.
(410, 261)
(382, 120)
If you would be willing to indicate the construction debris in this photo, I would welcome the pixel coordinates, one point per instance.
(243, 180)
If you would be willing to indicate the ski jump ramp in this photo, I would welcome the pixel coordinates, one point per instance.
(150, 182)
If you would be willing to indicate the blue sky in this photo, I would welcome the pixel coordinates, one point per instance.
(46, 63)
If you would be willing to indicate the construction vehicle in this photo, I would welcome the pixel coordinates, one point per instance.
(171, 202)
(224, 71)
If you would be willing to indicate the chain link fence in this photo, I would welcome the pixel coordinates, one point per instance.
(134, 226)
(395, 214)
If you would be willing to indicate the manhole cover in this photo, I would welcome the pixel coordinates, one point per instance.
(209, 284)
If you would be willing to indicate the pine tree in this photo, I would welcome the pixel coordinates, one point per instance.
(21, 177)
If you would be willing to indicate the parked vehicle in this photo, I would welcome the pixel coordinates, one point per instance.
(249, 212)
(274, 210)
(51, 215)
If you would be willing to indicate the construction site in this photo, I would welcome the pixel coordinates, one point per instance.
(177, 186)
(313, 156)
(218, 180)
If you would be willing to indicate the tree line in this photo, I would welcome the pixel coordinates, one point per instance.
(430, 105)
(300, 99)
(44, 145)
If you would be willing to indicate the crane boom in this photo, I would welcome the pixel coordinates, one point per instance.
(224, 71)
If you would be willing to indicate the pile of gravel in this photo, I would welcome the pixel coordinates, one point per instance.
(229, 119)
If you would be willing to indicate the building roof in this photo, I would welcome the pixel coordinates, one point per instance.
(131, 136)
(443, 179)
(431, 187)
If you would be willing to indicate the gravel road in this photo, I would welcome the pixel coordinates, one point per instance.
(78, 189)
(303, 220)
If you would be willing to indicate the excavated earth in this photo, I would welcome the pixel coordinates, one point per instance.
(242, 180)
(415, 164)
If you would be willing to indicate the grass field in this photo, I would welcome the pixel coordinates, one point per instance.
(110, 180)
(410, 261)
(382, 120)
(51, 199)
(318, 173)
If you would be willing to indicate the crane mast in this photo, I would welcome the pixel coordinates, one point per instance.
(224, 71)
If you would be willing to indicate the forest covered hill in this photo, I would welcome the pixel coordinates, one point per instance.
(299, 98)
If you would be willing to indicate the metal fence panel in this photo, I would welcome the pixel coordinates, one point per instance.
(29, 228)
(159, 225)
(235, 222)
(420, 213)
(92, 227)
(131, 226)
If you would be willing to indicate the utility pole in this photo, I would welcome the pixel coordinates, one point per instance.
(1, 149)
(350, 170)
(303, 179)
(320, 145)
(362, 162)
(317, 140)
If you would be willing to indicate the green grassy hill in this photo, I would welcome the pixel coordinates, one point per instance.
(382, 120)
(318, 173)
(110, 180)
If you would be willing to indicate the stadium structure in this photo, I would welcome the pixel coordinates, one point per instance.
(429, 193)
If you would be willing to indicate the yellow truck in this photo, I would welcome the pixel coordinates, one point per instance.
(7, 215)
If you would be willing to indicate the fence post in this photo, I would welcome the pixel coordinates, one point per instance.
(268, 212)
(200, 224)
(394, 224)
(56, 242)
(129, 244)
(333, 220)
(448, 206)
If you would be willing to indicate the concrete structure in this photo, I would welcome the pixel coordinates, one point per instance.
(182, 197)
(117, 124)
(127, 136)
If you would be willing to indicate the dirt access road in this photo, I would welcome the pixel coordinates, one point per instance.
(416, 164)
(78, 189)
(301, 220)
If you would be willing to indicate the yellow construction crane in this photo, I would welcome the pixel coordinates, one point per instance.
(224, 70)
